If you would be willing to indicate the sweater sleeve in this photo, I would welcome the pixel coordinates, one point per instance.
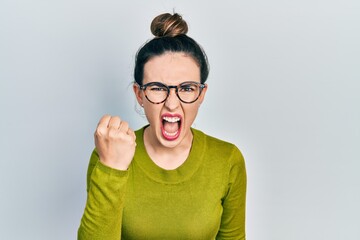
(105, 199)
(233, 218)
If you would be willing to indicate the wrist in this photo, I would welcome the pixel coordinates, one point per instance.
(115, 164)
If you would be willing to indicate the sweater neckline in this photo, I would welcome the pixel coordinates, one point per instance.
(182, 173)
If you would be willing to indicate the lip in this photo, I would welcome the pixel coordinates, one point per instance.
(166, 136)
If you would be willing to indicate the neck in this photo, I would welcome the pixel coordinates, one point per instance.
(167, 157)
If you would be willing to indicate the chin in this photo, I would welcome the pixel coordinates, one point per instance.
(174, 140)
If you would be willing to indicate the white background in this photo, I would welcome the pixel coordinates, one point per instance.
(283, 86)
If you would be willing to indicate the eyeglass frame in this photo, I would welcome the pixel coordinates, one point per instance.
(168, 87)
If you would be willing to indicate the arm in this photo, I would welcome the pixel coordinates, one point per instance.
(233, 218)
(103, 212)
(106, 180)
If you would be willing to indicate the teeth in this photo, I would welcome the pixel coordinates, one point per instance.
(171, 134)
(171, 119)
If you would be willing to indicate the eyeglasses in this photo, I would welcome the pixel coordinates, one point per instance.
(187, 92)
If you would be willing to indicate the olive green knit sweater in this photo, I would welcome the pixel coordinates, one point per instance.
(203, 199)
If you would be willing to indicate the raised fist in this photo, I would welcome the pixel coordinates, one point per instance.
(115, 142)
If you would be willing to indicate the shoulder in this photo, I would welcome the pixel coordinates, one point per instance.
(218, 149)
(139, 132)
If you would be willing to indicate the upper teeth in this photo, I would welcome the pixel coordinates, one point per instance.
(171, 119)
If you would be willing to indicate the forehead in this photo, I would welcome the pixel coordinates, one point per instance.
(171, 69)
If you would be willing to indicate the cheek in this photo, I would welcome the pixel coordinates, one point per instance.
(191, 112)
(152, 112)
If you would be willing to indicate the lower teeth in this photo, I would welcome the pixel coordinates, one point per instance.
(171, 134)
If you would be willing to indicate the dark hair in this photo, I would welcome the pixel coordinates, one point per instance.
(170, 36)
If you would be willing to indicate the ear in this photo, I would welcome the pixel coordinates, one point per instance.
(138, 94)
(202, 95)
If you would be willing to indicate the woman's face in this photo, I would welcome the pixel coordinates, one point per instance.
(171, 120)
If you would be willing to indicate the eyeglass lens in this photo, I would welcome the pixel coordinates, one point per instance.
(187, 92)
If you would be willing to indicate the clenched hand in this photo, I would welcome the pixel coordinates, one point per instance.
(115, 142)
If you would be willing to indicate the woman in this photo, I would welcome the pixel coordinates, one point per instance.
(166, 180)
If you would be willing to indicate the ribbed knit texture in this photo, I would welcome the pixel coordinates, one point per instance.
(203, 199)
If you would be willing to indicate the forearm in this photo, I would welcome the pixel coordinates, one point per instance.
(103, 212)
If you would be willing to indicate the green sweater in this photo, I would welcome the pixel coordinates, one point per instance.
(203, 199)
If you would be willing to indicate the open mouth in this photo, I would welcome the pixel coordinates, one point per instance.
(171, 126)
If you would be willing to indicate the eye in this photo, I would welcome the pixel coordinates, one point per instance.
(188, 88)
(157, 88)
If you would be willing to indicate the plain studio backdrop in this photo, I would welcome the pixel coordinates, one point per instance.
(283, 86)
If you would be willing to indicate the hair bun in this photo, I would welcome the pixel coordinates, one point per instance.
(168, 25)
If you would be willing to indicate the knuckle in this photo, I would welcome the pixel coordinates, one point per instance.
(125, 125)
(114, 119)
(112, 133)
(105, 117)
(98, 132)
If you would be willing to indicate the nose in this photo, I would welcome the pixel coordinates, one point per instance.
(172, 102)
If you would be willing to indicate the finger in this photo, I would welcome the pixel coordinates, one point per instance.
(102, 125)
(104, 121)
(114, 122)
(129, 137)
(124, 126)
(131, 133)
